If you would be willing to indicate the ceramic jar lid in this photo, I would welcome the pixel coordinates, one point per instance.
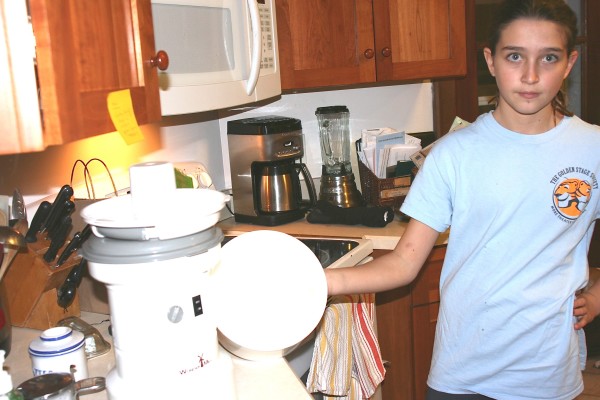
(56, 342)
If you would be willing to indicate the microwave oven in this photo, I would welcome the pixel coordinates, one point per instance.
(222, 53)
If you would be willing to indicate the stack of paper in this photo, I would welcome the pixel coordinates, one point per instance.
(384, 147)
(419, 157)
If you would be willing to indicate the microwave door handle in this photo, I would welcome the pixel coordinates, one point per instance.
(256, 46)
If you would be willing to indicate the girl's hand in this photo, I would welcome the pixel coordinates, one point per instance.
(586, 308)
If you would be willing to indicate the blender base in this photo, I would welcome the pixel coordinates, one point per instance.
(340, 190)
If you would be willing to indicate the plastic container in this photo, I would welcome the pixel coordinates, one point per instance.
(6, 385)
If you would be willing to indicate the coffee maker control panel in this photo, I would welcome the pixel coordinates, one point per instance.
(291, 149)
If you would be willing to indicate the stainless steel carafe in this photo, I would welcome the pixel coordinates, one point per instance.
(279, 188)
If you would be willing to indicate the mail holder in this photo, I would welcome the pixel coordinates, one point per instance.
(389, 192)
(31, 286)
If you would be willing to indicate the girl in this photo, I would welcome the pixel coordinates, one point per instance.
(518, 189)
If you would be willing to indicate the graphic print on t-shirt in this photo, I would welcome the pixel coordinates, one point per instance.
(572, 191)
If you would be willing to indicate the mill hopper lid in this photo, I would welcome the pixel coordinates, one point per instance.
(273, 293)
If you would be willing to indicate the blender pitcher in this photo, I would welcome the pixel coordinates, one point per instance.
(337, 180)
(334, 132)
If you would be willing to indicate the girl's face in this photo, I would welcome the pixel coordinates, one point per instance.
(530, 64)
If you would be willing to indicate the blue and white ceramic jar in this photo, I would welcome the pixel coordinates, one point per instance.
(59, 349)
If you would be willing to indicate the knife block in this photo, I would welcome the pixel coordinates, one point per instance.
(31, 286)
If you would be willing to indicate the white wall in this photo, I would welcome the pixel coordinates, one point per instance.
(403, 107)
(202, 137)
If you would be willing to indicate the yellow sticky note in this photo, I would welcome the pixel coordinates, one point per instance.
(120, 108)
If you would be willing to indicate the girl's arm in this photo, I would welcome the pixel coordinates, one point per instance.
(394, 269)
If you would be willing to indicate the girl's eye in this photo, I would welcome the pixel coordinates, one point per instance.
(550, 58)
(514, 57)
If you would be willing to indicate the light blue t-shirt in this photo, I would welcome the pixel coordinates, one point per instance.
(522, 210)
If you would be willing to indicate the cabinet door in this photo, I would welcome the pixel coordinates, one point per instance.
(425, 296)
(419, 39)
(424, 323)
(394, 332)
(325, 43)
(406, 320)
(21, 129)
(85, 50)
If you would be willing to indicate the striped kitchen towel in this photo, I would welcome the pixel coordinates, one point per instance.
(346, 360)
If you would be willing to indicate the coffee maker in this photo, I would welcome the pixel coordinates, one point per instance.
(265, 155)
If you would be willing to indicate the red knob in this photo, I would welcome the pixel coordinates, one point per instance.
(386, 52)
(369, 53)
(160, 60)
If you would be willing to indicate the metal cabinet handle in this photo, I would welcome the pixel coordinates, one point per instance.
(386, 52)
(160, 60)
(369, 53)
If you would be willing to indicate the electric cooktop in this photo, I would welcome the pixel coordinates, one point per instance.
(327, 251)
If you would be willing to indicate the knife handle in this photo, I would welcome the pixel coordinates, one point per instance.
(36, 223)
(66, 292)
(59, 239)
(76, 273)
(86, 232)
(73, 245)
(63, 195)
(54, 221)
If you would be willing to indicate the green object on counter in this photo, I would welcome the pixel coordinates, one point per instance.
(182, 180)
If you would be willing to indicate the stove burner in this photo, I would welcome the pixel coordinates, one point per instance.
(327, 251)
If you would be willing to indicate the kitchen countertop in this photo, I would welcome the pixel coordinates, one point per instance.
(253, 380)
(384, 238)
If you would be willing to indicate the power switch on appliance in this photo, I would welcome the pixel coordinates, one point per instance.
(197, 304)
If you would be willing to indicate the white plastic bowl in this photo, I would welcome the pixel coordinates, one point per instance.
(187, 211)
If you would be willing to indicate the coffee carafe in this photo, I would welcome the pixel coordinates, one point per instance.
(265, 154)
(337, 180)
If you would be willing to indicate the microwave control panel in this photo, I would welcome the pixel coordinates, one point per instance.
(267, 25)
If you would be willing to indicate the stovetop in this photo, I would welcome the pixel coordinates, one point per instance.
(327, 251)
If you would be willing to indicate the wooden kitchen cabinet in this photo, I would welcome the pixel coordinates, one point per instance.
(406, 320)
(84, 49)
(341, 42)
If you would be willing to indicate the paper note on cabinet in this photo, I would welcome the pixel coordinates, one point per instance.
(120, 108)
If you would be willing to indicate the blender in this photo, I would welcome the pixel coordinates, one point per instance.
(338, 185)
